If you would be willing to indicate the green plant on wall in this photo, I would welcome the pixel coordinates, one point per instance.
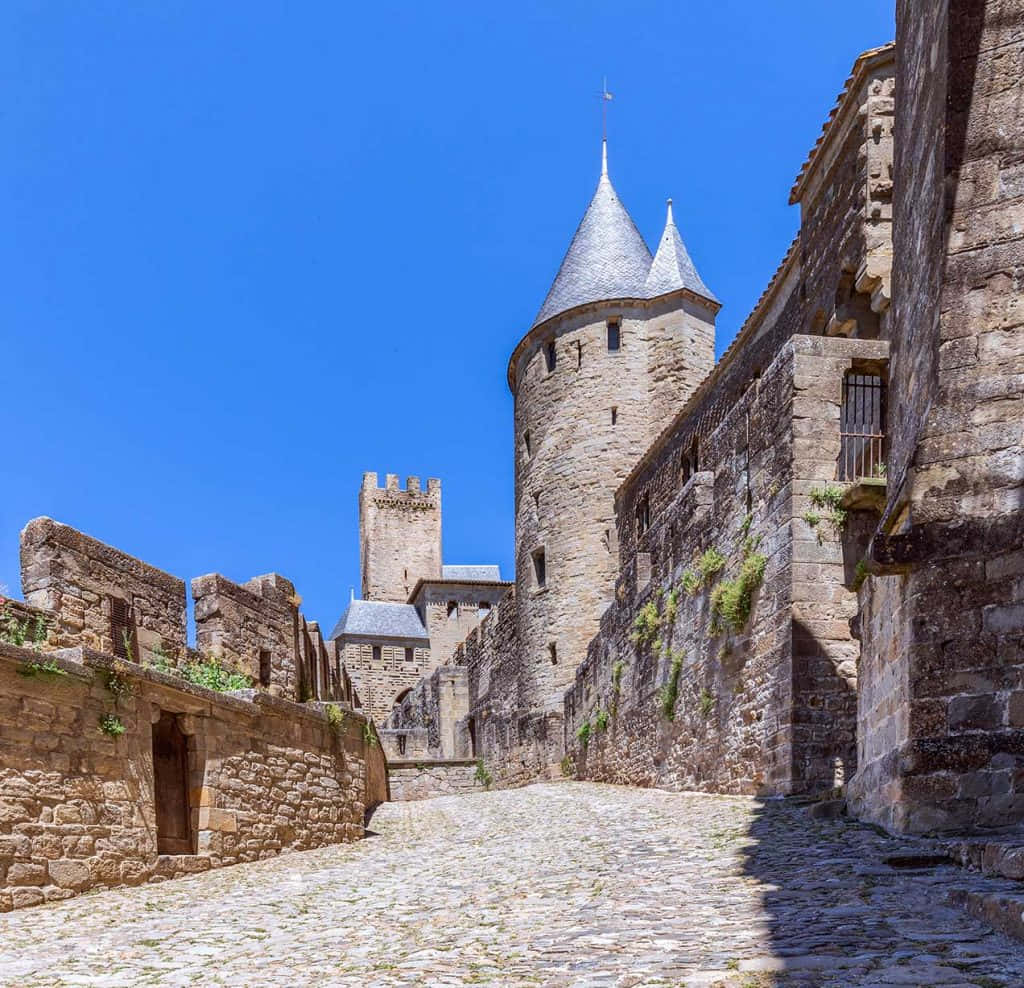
(860, 574)
(214, 676)
(601, 719)
(369, 738)
(567, 766)
(47, 668)
(111, 725)
(583, 733)
(705, 703)
(710, 563)
(691, 583)
(16, 632)
(646, 625)
(481, 774)
(669, 692)
(117, 684)
(731, 599)
(335, 718)
(828, 499)
(671, 607)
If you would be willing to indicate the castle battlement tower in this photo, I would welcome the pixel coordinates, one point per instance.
(620, 343)
(399, 536)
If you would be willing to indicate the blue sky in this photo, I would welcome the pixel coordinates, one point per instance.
(254, 249)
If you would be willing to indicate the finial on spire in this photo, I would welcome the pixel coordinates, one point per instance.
(606, 98)
(668, 219)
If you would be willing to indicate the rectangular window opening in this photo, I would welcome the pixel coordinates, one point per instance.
(553, 653)
(123, 637)
(643, 513)
(549, 354)
(579, 355)
(526, 444)
(265, 664)
(615, 414)
(409, 656)
(540, 570)
(376, 653)
(614, 334)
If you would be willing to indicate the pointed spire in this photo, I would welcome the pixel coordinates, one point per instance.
(672, 268)
(607, 258)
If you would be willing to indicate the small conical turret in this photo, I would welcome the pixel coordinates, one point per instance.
(672, 268)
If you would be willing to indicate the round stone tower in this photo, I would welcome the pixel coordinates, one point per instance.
(620, 343)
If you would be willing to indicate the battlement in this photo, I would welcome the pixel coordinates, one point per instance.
(413, 485)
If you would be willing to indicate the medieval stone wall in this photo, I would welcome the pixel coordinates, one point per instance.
(769, 706)
(941, 717)
(399, 536)
(425, 779)
(78, 808)
(79, 581)
(435, 705)
(249, 624)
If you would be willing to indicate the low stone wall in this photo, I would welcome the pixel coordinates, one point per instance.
(82, 808)
(422, 780)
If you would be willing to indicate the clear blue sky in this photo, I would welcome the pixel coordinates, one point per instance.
(251, 250)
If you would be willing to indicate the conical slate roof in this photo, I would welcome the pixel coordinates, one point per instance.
(672, 268)
(607, 257)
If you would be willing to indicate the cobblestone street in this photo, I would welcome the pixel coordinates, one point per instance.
(561, 884)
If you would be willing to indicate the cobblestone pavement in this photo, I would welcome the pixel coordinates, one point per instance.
(560, 884)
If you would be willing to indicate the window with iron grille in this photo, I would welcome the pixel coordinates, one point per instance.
(122, 630)
(862, 427)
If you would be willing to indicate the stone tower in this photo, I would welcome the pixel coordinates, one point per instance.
(399, 536)
(620, 343)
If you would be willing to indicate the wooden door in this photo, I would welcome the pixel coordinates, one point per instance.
(170, 778)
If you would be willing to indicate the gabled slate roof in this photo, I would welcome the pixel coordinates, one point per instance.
(472, 574)
(380, 619)
(607, 258)
(672, 267)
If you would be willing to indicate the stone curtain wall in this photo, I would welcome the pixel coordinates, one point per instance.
(516, 744)
(942, 706)
(399, 536)
(77, 806)
(769, 708)
(73, 577)
(435, 705)
(237, 622)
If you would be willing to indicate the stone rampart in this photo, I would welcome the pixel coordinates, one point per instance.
(754, 693)
(115, 774)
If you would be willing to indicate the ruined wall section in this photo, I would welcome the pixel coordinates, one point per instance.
(578, 427)
(434, 705)
(943, 618)
(93, 591)
(78, 808)
(245, 624)
(399, 536)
